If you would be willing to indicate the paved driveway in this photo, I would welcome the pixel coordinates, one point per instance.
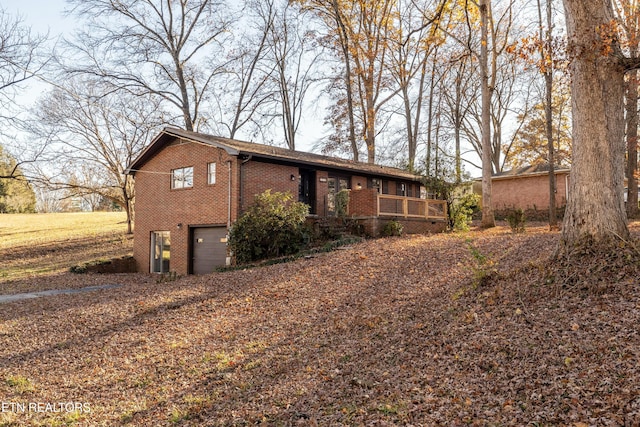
(29, 295)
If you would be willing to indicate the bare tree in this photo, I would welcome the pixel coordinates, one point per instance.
(247, 81)
(495, 31)
(256, 74)
(170, 50)
(488, 218)
(547, 63)
(363, 30)
(414, 46)
(292, 48)
(331, 15)
(47, 200)
(93, 138)
(344, 38)
(21, 59)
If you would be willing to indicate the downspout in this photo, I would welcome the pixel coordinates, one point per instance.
(241, 185)
(229, 198)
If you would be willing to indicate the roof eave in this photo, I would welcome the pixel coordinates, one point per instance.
(159, 142)
(169, 132)
(316, 164)
(206, 141)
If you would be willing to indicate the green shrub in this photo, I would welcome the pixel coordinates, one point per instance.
(342, 203)
(272, 226)
(517, 220)
(392, 228)
(461, 211)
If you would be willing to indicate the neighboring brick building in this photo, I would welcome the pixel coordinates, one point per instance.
(191, 187)
(528, 189)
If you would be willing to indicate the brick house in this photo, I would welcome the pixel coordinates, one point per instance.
(527, 188)
(191, 187)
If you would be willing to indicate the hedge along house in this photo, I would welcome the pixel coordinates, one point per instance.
(191, 187)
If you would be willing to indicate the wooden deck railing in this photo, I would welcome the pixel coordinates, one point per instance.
(409, 207)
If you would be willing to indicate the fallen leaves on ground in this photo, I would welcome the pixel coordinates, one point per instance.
(449, 329)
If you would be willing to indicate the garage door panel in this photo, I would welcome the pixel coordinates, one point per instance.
(209, 249)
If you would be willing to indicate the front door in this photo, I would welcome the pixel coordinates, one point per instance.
(307, 189)
(209, 246)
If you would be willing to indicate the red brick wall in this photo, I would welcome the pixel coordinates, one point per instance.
(258, 177)
(373, 226)
(363, 202)
(159, 208)
(531, 192)
(355, 180)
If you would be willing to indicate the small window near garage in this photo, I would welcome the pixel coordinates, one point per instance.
(385, 186)
(211, 175)
(182, 178)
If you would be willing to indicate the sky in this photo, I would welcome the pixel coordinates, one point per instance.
(41, 15)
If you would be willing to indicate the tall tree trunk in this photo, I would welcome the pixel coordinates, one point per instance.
(546, 51)
(458, 160)
(632, 144)
(370, 123)
(412, 144)
(344, 42)
(413, 127)
(488, 218)
(595, 209)
(184, 95)
(457, 120)
(430, 119)
(127, 197)
(553, 217)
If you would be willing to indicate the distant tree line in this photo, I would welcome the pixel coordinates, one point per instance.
(16, 195)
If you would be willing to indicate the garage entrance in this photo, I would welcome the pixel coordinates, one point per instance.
(209, 248)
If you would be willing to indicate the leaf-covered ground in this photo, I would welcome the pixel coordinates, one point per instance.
(459, 329)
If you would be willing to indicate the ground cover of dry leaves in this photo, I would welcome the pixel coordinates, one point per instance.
(450, 329)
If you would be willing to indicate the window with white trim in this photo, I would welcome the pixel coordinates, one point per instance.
(182, 178)
(211, 175)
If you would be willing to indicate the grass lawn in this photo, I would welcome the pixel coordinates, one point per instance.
(38, 244)
(449, 329)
